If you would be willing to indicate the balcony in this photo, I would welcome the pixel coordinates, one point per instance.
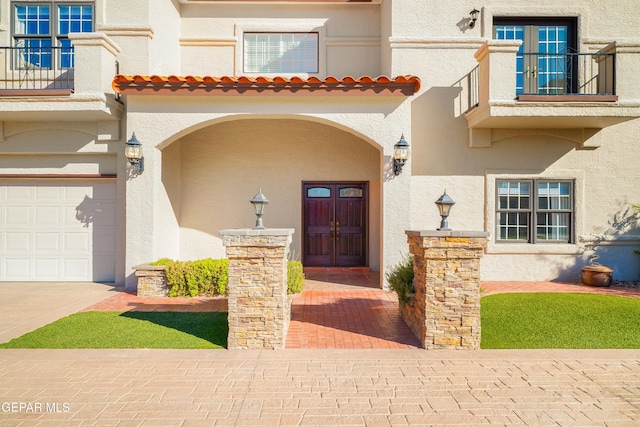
(43, 70)
(60, 83)
(572, 95)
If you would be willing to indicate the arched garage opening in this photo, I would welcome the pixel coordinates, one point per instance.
(211, 174)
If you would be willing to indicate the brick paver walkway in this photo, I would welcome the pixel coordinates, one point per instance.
(129, 301)
(515, 286)
(360, 318)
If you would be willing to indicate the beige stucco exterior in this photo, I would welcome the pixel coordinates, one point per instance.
(207, 155)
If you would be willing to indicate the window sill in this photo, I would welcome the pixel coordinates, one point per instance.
(529, 248)
(35, 92)
(567, 98)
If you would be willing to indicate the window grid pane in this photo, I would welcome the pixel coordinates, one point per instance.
(281, 52)
(514, 32)
(37, 20)
(514, 210)
(554, 196)
(35, 53)
(514, 195)
(75, 19)
(32, 20)
(552, 62)
(512, 226)
(553, 227)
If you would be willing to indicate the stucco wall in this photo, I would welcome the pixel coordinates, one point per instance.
(187, 142)
(211, 36)
(606, 177)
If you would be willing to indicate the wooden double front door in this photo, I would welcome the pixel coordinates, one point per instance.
(335, 224)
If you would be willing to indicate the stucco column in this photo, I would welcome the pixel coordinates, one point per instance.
(259, 310)
(95, 63)
(627, 80)
(445, 313)
(497, 70)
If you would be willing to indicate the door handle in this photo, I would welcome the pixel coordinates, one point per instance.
(527, 72)
(331, 228)
(337, 229)
(535, 72)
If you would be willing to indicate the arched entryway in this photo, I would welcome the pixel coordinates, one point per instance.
(211, 174)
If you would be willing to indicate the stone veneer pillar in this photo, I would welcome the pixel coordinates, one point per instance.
(259, 309)
(445, 313)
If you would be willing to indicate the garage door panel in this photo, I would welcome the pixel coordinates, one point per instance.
(62, 230)
(46, 216)
(103, 241)
(18, 193)
(106, 193)
(17, 269)
(78, 193)
(76, 269)
(103, 216)
(77, 242)
(17, 242)
(17, 216)
(47, 192)
(47, 242)
(46, 268)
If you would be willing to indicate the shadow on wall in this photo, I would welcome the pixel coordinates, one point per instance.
(440, 145)
(614, 245)
(561, 269)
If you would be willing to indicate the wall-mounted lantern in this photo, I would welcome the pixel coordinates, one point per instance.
(400, 155)
(133, 153)
(259, 203)
(473, 17)
(444, 204)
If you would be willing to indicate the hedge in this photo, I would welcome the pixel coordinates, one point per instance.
(210, 277)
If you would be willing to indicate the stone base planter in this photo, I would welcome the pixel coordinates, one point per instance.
(152, 281)
(596, 275)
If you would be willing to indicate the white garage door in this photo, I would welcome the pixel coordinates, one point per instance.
(62, 230)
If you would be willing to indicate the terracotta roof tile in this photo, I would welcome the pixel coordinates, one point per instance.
(279, 85)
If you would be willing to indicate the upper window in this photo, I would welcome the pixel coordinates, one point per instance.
(41, 31)
(280, 52)
(534, 211)
(547, 60)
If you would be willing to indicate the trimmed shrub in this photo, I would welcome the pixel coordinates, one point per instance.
(210, 277)
(295, 277)
(400, 279)
(205, 277)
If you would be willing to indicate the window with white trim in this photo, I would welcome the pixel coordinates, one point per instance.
(280, 52)
(534, 211)
(41, 31)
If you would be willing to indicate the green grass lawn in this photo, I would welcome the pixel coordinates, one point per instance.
(109, 329)
(556, 320)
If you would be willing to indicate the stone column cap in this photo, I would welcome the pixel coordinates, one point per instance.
(256, 232)
(450, 233)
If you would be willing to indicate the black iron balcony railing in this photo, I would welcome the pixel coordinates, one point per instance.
(36, 68)
(565, 74)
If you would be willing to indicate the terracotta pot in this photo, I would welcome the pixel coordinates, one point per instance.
(596, 275)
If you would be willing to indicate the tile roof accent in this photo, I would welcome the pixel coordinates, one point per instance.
(228, 85)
